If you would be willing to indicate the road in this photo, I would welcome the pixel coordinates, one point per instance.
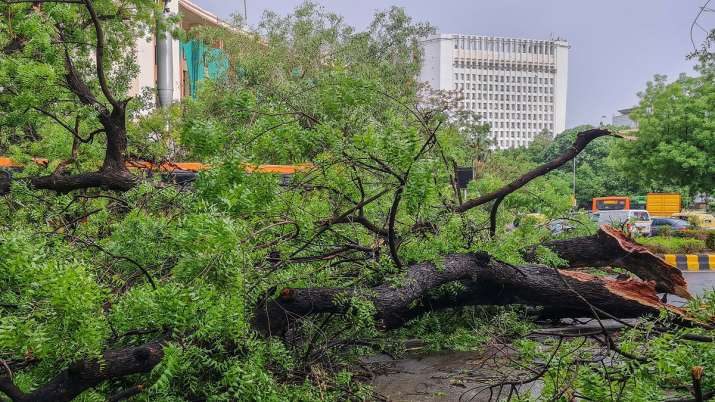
(698, 283)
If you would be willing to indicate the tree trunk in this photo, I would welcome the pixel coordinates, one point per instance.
(113, 175)
(485, 281)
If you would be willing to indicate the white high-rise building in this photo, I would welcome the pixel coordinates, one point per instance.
(517, 85)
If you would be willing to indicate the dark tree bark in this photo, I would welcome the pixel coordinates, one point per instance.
(85, 374)
(118, 180)
(610, 247)
(485, 281)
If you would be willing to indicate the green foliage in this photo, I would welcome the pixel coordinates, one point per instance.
(598, 173)
(467, 330)
(575, 367)
(39, 109)
(54, 301)
(93, 270)
(675, 145)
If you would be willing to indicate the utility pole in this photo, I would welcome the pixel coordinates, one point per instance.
(245, 13)
(164, 61)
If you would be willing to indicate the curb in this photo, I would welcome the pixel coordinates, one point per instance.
(691, 262)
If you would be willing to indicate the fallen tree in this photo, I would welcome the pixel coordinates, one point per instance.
(485, 281)
(373, 170)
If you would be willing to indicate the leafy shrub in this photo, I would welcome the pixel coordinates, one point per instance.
(666, 231)
(693, 233)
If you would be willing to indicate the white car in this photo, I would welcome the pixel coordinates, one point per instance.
(634, 220)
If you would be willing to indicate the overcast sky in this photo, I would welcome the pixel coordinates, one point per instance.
(616, 45)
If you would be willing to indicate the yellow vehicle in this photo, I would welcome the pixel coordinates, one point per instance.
(700, 220)
(663, 204)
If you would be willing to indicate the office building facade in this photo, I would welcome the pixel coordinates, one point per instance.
(519, 86)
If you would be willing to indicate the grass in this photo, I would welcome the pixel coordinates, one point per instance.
(673, 245)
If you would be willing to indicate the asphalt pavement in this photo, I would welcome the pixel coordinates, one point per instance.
(698, 283)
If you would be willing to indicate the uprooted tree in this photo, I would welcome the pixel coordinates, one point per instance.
(244, 286)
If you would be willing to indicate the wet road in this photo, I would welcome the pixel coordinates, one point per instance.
(699, 282)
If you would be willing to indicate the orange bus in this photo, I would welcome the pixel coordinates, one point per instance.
(610, 203)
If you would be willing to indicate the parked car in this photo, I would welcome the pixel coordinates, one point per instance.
(699, 220)
(634, 220)
(673, 224)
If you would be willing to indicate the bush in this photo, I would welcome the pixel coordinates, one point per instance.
(710, 241)
(673, 245)
(666, 231)
(693, 234)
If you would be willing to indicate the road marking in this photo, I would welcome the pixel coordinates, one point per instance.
(692, 262)
(670, 259)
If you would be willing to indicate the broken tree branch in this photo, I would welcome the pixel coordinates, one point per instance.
(85, 374)
(611, 247)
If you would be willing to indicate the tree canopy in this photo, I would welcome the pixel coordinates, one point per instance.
(676, 141)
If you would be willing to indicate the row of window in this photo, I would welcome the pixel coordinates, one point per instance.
(504, 66)
(509, 106)
(503, 78)
(518, 124)
(503, 45)
(512, 143)
(513, 134)
(506, 88)
(518, 116)
(500, 135)
(508, 97)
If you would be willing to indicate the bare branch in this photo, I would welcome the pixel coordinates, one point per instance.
(582, 140)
